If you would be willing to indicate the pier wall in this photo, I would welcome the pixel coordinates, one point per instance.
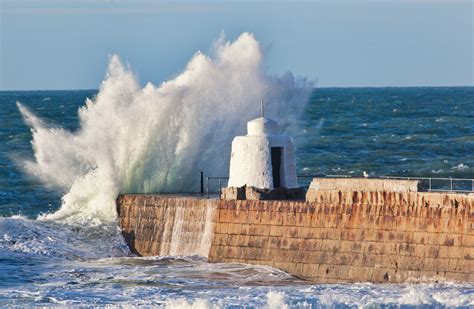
(337, 236)
(165, 225)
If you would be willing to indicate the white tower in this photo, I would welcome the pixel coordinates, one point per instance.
(264, 158)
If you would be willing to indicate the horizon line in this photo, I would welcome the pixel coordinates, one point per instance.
(316, 87)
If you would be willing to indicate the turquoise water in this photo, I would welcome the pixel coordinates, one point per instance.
(345, 131)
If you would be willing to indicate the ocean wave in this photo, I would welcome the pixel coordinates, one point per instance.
(22, 238)
(157, 138)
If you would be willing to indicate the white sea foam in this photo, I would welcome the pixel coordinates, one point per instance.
(460, 167)
(276, 300)
(157, 138)
(184, 304)
(454, 298)
(20, 237)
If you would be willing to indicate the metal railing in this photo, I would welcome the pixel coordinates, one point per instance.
(430, 184)
(440, 184)
(219, 179)
(426, 184)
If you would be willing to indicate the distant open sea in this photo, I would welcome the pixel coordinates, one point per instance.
(344, 131)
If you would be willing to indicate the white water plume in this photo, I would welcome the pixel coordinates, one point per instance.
(157, 139)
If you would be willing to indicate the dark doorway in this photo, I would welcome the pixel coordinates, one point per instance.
(276, 166)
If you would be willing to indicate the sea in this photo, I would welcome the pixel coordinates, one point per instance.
(49, 260)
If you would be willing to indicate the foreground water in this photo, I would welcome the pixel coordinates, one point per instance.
(385, 131)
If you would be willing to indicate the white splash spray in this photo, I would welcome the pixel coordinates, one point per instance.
(157, 139)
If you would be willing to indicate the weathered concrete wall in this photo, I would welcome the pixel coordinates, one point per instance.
(340, 236)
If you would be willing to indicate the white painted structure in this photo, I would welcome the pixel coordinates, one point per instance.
(264, 158)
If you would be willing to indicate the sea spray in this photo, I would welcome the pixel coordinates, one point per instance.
(157, 138)
(190, 232)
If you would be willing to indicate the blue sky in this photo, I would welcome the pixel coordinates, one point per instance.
(52, 44)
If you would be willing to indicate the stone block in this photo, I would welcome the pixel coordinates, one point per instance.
(467, 240)
(221, 228)
(289, 219)
(277, 230)
(234, 228)
(254, 217)
(465, 265)
(270, 218)
(299, 259)
(382, 275)
(305, 232)
(233, 193)
(259, 230)
(459, 277)
(294, 232)
(467, 252)
(450, 253)
(318, 220)
(220, 239)
(257, 242)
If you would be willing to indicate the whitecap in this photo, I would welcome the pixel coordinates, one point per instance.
(460, 166)
(276, 300)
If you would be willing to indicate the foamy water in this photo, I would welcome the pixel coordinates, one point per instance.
(51, 264)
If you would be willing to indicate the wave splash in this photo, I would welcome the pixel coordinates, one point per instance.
(157, 138)
(45, 241)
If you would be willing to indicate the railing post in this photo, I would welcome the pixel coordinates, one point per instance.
(207, 187)
(429, 185)
(220, 186)
(451, 184)
(202, 183)
(472, 189)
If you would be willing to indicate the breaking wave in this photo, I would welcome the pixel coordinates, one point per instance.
(157, 138)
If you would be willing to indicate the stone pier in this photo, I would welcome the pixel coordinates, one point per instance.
(360, 230)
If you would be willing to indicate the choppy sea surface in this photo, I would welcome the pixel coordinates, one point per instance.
(344, 131)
